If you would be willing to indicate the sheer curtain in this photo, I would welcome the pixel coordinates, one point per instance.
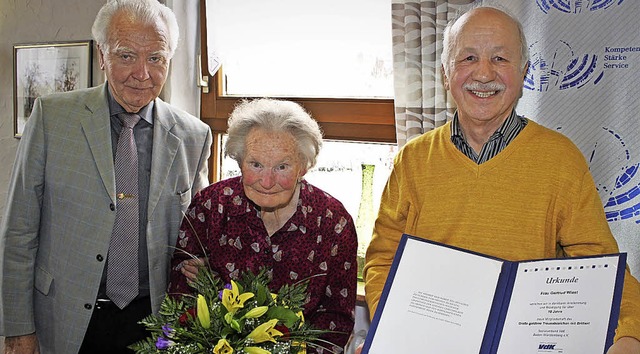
(421, 102)
(181, 88)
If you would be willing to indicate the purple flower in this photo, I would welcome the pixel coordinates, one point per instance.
(167, 330)
(228, 286)
(163, 343)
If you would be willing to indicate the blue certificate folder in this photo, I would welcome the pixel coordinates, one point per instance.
(400, 314)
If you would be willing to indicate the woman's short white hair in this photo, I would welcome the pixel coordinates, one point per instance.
(275, 116)
(145, 11)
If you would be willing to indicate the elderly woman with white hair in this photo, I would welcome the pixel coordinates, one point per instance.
(270, 216)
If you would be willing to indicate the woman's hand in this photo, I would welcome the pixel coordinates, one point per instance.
(625, 345)
(189, 268)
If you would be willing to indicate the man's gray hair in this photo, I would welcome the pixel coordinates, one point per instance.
(273, 116)
(447, 43)
(145, 11)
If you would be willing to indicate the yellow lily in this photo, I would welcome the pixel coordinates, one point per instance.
(301, 317)
(302, 347)
(256, 350)
(203, 312)
(256, 312)
(265, 332)
(232, 299)
(223, 347)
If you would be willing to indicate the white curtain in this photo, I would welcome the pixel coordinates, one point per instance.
(421, 103)
(181, 88)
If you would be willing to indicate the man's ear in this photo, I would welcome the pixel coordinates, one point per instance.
(100, 57)
(524, 74)
(445, 79)
(524, 71)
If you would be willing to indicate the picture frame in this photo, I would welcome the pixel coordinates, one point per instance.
(44, 68)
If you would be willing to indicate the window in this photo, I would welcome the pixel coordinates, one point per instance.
(339, 70)
(324, 48)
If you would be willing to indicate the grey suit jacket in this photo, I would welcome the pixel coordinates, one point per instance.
(60, 212)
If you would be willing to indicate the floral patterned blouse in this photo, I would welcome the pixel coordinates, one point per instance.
(320, 238)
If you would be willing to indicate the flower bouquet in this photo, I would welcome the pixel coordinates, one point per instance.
(241, 317)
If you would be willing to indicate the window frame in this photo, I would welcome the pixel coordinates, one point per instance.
(366, 120)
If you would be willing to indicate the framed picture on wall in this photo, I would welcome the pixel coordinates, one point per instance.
(44, 68)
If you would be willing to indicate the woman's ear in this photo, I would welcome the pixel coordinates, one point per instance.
(301, 174)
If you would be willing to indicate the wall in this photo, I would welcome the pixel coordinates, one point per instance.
(28, 22)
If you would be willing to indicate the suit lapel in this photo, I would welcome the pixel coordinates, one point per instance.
(165, 147)
(97, 130)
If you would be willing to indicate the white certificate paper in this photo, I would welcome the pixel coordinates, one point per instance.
(561, 306)
(441, 299)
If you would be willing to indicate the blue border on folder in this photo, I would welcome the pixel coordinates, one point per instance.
(499, 307)
(617, 299)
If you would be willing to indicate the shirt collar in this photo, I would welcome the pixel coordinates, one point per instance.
(510, 125)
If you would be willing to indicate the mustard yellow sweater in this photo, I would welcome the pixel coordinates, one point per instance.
(535, 199)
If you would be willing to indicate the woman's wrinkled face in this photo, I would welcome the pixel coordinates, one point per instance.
(271, 168)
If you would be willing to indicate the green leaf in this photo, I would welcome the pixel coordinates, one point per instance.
(261, 294)
(285, 315)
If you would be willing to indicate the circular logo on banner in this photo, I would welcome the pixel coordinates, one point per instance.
(616, 177)
(624, 190)
(575, 6)
(561, 68)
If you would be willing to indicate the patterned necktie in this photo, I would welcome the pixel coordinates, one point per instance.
(122, 262)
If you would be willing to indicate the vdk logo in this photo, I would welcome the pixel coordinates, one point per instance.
(576, 6)
(560, 68)
(548, 348)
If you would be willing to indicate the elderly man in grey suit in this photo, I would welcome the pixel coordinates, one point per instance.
(71, 279)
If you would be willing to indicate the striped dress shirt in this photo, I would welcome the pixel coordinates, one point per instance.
(511, 127)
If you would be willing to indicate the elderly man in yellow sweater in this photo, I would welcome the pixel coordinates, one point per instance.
(492, 181)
